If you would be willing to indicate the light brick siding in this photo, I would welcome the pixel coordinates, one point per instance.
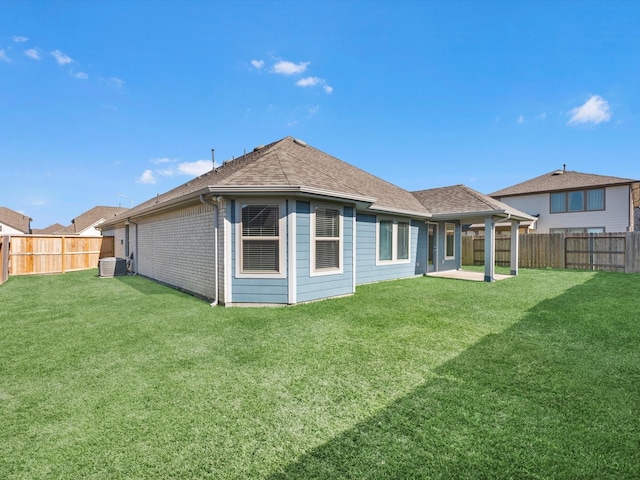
(177, 248)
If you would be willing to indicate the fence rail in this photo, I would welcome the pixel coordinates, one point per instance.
(617, 252)
(44, 254)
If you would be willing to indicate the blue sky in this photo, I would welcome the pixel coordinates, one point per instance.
(110, 103)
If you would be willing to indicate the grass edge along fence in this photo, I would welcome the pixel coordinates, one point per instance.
(615, 252)
(46, 254)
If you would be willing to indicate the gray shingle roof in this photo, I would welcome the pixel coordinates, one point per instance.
(15, 219)
(292, 163)
(561, 180)
(460, 201)
(91, 217)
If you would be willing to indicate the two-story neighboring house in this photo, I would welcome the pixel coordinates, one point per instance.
(12, 222)
(566, 201)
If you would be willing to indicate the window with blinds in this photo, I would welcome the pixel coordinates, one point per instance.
(260, 239)
(327, 239)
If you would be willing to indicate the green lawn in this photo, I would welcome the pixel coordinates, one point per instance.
(532, 377)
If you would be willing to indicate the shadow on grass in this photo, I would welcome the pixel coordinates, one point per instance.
(147, 286)
(555, 396)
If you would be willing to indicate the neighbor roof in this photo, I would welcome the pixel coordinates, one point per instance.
(462, 202)
(291, 166)
(93, 216)
(15, 219)
(561, 180)
(50, 230)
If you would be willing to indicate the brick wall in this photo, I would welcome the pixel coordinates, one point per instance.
(177, 248)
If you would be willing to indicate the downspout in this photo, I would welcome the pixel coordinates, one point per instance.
(135, 257)
(214, 202)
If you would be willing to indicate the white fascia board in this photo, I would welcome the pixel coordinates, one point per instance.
(504, 214)
(398, 211)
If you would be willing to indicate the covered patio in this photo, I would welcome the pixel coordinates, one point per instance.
(467, 206)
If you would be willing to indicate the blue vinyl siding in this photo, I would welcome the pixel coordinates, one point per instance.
(256, 290)
(366, 269)
(321, 286)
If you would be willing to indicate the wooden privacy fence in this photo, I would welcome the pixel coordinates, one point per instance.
(616, 252)
(43, 254)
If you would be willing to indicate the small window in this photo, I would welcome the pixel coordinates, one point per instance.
(576, 201)
(327, 239)
(595, 199)
(403, 241)
(450, 240)
(385, 243)
(558, 202)
(260, 238)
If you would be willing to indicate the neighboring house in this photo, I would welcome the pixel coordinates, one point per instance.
(287, 223)
(565, 201)
(53, 229)
(84, 224)
(13, 223)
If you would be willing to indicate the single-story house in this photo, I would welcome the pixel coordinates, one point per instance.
(287, 223)
(565, 201)
(13, 223)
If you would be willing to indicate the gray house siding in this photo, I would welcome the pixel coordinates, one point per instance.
(257, 289)
(321, 286)
(367, 271)
(177, 248)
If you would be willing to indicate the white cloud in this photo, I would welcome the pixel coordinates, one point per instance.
(196, 168)
(33, 53)
(289, 68)
(19, 39)
(61, 58)
(81, 75)
(258, 64)
(542, 116)
(160, 161)
(308, 82)
(3, 56)
(117, 82)
(521, 119)
(313, 82)
(594, 110)
(147, 177)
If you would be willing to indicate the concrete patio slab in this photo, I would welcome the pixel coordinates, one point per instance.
(466, 275)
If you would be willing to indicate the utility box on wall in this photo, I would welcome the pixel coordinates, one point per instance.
(112, 267)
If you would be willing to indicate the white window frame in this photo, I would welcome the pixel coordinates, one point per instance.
(446, 230)
(314, 272)
(394, 236)
(282, 224)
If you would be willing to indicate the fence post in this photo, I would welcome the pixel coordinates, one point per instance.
(4, 258)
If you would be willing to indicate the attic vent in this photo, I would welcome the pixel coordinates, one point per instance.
(259, 147)
(300, 142)
(558, 172)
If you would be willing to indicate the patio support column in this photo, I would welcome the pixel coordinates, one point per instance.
(515, 245)
(489, 249)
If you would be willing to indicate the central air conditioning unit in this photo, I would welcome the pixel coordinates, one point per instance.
(112, 267)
